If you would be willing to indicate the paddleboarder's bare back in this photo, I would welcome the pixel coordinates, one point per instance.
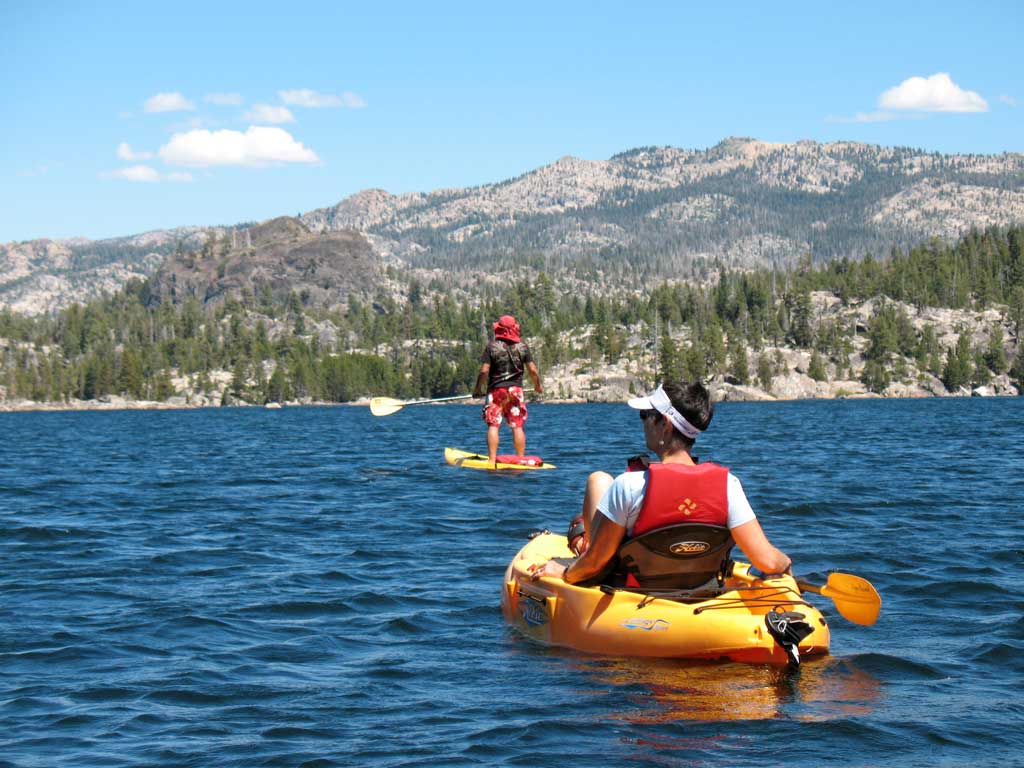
(502, 365)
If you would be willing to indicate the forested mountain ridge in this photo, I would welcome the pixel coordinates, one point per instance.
(672, 211)
(655, 211)
(42, 276)
(939, 319)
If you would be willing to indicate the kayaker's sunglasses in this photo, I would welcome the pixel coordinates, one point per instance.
(646, 413)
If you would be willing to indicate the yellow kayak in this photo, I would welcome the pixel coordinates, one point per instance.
(469, 460)
(729, 624)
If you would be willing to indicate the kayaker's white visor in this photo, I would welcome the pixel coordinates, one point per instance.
(660, 402)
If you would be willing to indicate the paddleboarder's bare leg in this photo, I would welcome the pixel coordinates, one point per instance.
(519, 440)
(492, 443)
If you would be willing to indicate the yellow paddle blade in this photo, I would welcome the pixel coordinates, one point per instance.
(855, 598)
(385, 406)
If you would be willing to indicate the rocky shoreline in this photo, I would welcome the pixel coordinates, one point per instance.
(793, 387)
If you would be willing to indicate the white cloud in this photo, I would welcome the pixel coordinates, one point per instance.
(192, 123)
(168, 102)
(39, 170)
(937, 93)
(224, 99)
(1008, 100)
(135, 173)
(304, 97)
(265, 113)
(125, 152)
(258, 146)
(352, 100)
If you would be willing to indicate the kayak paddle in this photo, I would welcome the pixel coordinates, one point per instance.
(855, 598)
(385, 406)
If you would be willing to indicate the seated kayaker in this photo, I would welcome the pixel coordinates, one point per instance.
(676, 491)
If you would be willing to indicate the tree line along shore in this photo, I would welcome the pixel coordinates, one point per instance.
(939, 319)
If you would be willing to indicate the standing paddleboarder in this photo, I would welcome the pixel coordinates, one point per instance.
(503, 362)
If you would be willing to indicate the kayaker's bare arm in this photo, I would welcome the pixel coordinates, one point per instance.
(481, 380)
(761, 553)
(531, 368)
(605, 537)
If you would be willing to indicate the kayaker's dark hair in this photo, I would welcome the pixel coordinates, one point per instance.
(693, 401)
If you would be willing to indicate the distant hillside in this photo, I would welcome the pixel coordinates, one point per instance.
(40, 276)
(660, 210)
(743, 202)
(271, 260)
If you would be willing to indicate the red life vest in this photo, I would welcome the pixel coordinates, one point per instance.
(681, 493)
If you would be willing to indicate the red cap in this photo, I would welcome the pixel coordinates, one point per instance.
(506, 328)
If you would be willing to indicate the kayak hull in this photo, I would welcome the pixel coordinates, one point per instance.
(730, 625)
(470, 460)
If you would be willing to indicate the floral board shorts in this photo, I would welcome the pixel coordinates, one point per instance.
(507, 403)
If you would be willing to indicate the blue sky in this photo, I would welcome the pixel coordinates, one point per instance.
(119, 120)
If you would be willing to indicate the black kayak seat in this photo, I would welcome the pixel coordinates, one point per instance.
(682, 556)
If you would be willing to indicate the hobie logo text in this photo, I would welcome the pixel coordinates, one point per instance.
(689, 547)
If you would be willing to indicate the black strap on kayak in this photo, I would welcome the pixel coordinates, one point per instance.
(714, 598)
(708, 591)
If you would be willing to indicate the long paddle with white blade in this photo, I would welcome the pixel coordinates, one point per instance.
(385, 406)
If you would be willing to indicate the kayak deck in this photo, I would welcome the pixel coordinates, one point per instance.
(728, 625)
(470, 460)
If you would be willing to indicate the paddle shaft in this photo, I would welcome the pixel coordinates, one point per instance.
(385, 406)
(442, 399)
(806, 586)
(438, 399)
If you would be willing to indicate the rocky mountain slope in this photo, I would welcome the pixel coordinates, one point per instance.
(41, 276)
(662, 210)
(280, 256)
(743, 201)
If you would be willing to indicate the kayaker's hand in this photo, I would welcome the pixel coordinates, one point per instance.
(550, 568)
(759, 574)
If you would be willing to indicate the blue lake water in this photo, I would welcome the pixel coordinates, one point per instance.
(314, 587)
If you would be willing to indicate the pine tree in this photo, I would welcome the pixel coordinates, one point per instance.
(668, 363)
(765, 371)
(739, 368)
(875, 376)
(277, 386)
(1017, 372)
(995, 353)
(816, 369)
(714, 347)
(958, 370)
(694, 362)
